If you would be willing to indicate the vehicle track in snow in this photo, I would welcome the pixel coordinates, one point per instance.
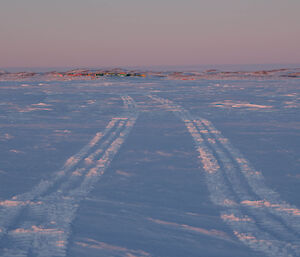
(38, 223)
(254, 212)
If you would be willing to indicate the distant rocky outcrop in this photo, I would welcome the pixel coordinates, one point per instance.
(87, 74)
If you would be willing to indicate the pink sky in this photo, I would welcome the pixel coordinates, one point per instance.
(38, 33)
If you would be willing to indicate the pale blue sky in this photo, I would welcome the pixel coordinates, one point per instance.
(156, 32)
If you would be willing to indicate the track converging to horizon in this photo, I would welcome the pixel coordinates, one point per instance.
(38, 223)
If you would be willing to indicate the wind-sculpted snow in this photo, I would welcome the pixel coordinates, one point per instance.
(38, 223)
(112, 249)
(232, 104)
(254, 212)
(212, 233)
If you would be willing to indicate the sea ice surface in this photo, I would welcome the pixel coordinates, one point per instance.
(169, 165)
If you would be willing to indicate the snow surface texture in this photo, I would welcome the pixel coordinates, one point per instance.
(158, 178)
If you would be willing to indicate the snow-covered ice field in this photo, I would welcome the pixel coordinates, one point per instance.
(154, 166)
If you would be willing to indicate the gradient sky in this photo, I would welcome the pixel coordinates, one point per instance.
(52, 33)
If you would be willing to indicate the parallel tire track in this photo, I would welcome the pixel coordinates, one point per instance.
(288, 213)
(285, 214)
(244, 191)
(255, 213)
(38, 223)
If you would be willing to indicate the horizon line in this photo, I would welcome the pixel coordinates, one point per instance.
(66, 67)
